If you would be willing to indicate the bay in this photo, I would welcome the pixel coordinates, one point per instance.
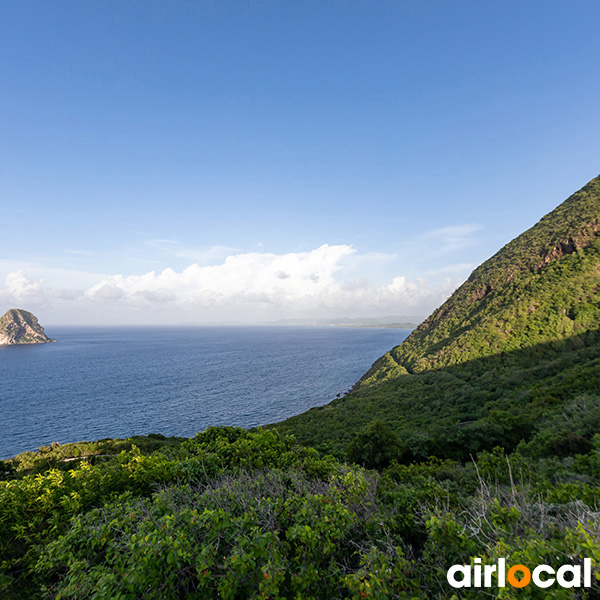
(117, 382)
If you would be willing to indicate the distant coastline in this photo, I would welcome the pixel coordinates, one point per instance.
(387, 322)
(406, 325)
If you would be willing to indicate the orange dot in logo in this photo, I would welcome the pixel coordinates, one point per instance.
(514, 581)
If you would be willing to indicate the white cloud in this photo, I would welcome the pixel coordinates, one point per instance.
(252, 277)
(22, 288)
(413, 293)
(46, 269)
(254, 286)
(108, 290)
(22, 291)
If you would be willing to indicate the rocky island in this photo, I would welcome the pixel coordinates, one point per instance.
(19, 326)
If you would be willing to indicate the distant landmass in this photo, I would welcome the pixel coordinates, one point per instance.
(18, 326)
(388, 322)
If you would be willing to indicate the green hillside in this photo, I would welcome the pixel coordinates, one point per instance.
(542, 286)
(500, 361)
(477, 438)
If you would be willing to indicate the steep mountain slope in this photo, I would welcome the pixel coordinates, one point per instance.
(542, 286)
(501, 360)
(19, 326)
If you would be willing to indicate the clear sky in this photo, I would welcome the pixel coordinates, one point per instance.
(174, 161)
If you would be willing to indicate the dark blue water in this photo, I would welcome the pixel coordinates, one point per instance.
(99, 383)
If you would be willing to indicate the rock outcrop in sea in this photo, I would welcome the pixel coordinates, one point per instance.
(19, 326)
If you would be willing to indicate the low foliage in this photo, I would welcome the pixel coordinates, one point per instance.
(238, 514)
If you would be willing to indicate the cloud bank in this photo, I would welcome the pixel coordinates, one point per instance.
(250, 287)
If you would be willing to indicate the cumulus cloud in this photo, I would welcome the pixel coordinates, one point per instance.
(22, 288)
(242, 278)
(249, 286)
(108, 290)
(413, 293)
(22, 291)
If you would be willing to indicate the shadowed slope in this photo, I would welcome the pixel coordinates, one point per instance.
(501, 361)
(459, 410)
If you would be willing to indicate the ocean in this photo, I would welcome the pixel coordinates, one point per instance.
(117, 382)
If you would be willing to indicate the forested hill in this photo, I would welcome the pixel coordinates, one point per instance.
(542, 286)
(503, 362)
(480, 436)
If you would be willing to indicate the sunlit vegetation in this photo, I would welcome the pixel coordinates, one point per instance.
(237, 514)
(541, 287)
(479, 437)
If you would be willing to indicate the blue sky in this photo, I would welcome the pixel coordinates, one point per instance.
(174, 161)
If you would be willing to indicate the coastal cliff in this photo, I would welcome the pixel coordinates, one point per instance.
(19, 326)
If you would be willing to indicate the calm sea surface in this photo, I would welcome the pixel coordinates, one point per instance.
(98, 382)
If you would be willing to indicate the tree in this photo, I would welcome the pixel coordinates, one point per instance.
(376, 446)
